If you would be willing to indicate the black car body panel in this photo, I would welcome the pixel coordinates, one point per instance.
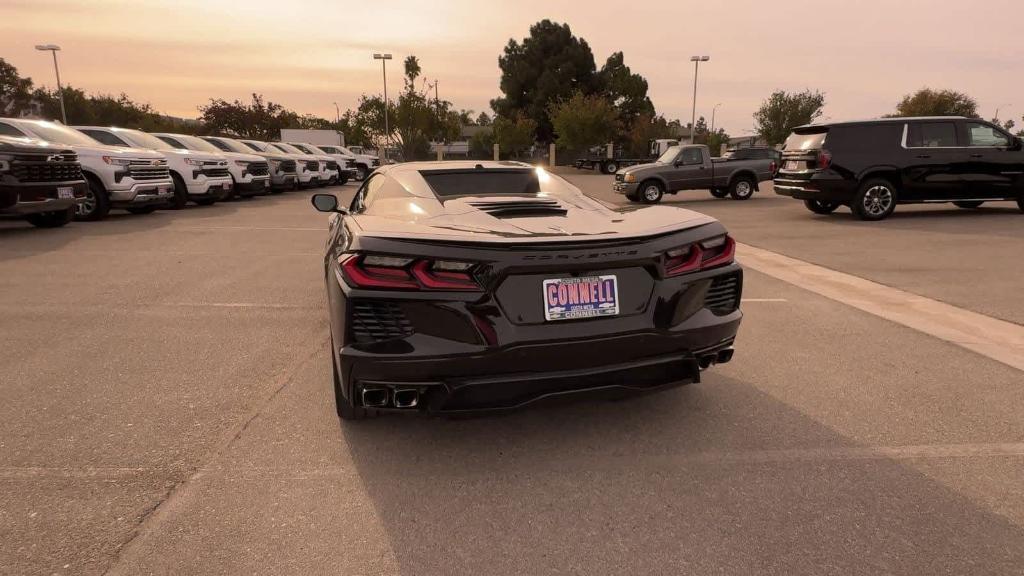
(935, 159)
(490, 346)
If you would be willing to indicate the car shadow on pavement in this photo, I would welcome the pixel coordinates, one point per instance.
(713, 478)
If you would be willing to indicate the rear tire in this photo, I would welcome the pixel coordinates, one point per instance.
(51, 219)
(719, 193)
(180, 198)
(742, 188)
(651, 192)
(875, 200)
(141, 209)
(96, 205)
(968, 204)
(821, 206)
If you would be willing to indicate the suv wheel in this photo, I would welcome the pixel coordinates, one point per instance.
(875, 200)
(96, 205)
(742, 188)
(719, 192)
(51, 219)
(968, 204)
(821, 206)
(651, 192)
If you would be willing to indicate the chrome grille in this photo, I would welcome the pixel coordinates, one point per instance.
(312, 165)
(288, 166)
(37, 168)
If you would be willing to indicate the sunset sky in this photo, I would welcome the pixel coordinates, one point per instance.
(306, 54)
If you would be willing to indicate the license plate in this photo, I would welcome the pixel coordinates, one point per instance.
(792, 165)
(586, 297)
(65, 192)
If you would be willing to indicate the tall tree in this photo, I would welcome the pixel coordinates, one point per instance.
(15, 91)
(648, 127)
(261, 120)
(549, 65)
(626, 91)
(582, 121)
(483, 119)
(514, 136)
(782, 112)
(928, 102)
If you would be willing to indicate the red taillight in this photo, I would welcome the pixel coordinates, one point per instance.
(701, 256)
(824, 159)
(406, 273)
(773, 167)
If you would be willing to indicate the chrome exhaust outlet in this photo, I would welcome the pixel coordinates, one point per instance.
(375, 397)
(407, 397)
(706, 361)
(724, 356)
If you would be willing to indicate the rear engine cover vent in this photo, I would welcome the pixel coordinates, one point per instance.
(723, 295)
(520, 208)
(379, 320)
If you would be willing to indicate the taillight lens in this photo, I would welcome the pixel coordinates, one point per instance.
(824, 159)
(773, 167)
(704, 255)
(397, 273)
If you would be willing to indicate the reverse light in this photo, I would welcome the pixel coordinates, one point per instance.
(703, 255)
(400, 273)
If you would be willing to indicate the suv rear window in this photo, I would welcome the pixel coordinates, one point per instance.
(806, 140)
(487, 182)
(932, 135)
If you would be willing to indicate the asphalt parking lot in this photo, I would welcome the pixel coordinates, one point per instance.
(167, 410)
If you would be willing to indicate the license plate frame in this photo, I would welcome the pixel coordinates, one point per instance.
(580, 297)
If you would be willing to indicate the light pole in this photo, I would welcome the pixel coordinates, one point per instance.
(387, 132)
(713, 110)
(337, 113)
(53, 48)
(693, 118)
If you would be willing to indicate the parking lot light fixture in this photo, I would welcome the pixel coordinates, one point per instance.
(53, 49)
(387, 132)
(693, 119)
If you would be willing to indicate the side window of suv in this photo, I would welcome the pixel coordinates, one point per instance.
(692, 156)
(985, 135)
(932, 135)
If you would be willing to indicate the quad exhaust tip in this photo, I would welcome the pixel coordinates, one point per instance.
(375, 397)
(721, 357)
(407, 397)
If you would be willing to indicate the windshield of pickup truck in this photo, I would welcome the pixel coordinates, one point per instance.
(669, 156)
(61, 134)
(143, 140)
(287, 149)
(199, 144)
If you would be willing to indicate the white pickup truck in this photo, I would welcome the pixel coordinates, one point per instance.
(201, 177)
(282, 166)
(363, 163)
(344, 164)
(250, 174)
(119, 177)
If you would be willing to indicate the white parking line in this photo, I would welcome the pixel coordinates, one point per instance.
(997, 339)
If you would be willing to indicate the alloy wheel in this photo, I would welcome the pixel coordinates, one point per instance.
(877, 200)
(87, 206)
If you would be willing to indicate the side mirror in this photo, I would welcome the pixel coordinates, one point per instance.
(327, 203)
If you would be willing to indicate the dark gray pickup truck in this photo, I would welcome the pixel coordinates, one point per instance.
(691, 167)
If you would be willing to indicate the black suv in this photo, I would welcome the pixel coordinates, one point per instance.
(873, 165)
(39, 183)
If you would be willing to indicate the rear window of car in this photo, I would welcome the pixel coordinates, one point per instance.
(806, 139)
(932, 135)
(487, 182)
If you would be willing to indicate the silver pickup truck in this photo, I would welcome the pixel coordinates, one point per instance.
(691, 167)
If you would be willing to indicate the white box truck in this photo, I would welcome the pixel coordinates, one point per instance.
(315, 137)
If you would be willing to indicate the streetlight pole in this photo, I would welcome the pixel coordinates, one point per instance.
(53, 48)
(693, 119)
(387, 131)
(713, 111)
(337, 113)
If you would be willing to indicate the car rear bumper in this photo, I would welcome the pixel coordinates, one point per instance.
(817, 187)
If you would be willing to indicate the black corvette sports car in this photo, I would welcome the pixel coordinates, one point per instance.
(465, 286)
